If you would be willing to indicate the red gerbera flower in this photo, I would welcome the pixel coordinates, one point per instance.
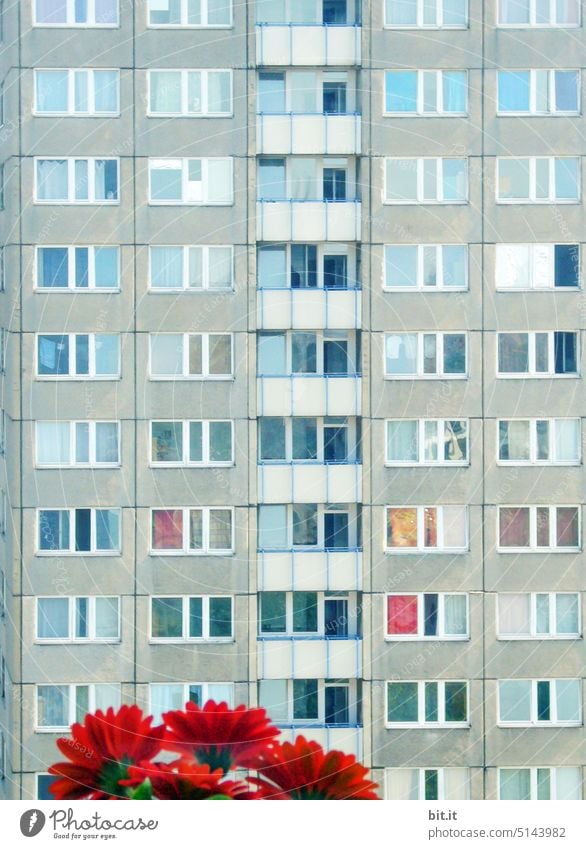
(101, 752)
(218, 735)
(302, 770)
(185, 779)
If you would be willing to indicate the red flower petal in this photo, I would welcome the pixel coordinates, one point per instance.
(185, 779)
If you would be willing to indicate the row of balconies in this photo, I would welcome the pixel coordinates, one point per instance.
(285, 44)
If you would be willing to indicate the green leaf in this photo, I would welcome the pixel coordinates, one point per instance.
(220, 796)
(143, 791)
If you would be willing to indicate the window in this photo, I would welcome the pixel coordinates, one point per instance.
(309, 701)
(526, 702)
(2, 593)
(302, 352)
(192, 443)
(302, 178)
(190, 13)
(304, 440)
(64, 444)
(429, 268)
(87, 531)
(44, 781)
(166, 697)
(3, 761)
(426, 442)
(302, 11)
(83, 13)
(524, 616)
(78, 619)
(540, 354)
(2, 432)
(544, 441)
(426, 784)
(76, 91)
(538, 266)
(539, 13)
(543, 179)
(305, 92)
(79, 269)
(76, 181)
(3, 349)
(285, 527)
(200, 530)
(2, 270)
(426, 528)
(206, 356)
(295, 266)
(409, 355)
(190, 93)
(319, 614)
(199, 182)
(198, 618)
(2, 677)
(427, 703)
(419, 616)
(194, 268)
(432, 14)
(538, 528)
(540, 782)
(79, 355)
(60, 705)
(426, 92)
(538, 92)
(429, 180)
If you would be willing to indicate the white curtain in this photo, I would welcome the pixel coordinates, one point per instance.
(165, 697)
(568, 699)
(52, 182)
(107, 450)
(107, 614)
(566, 613)
(568, 781)
(456, 783)
(402, 785)
(167, 354)
(220, 188)
(455, 527)
(53, 443)
(455, 614)
(515, 784)
(166, 267)
(303, 91)
(219, 91)
(165, 91)
(106, 91)
(220, 268)
(402, 441)
(514, 613)
(303, 179)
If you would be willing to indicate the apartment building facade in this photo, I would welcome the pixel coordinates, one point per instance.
(292, 402)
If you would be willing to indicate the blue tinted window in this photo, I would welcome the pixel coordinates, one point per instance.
(401, 91)
(514, 94)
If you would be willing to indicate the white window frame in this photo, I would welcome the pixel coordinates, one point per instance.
(532, 198)
(92, 375)
(71, 551)
(532, 341)
(91, 14)
(420, 547)
(206, 462)
(441, 723)
(322, 423)
(71, 111)
(552, 548)
(184, 25)
(420, 636)
(438, 200)
(551, 110)
(349, 508)
(421, 375)
(420, 286)
(185, 112)
(52, 729)
(71, 200)
(185, 624)
(320, 631)
(533, 633)
(441, 781)
(421, 438)
(205, 686)
(533, 774)
(322, 684)
(533, 461)
(205, 550)
(533, 722)
(420, 25)
(91, 608)
(535, 249)
(71, 287)
(205, 358)
(419, 111)
(206, 250)
(182, 164)
(552, 24)
(73, 464)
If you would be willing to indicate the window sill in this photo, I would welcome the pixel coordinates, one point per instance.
(75, 114)
(458, 27)
(528, 114)
(530, 376)
(523, 289)
(189, 115)
(173, 203)
(428, 202)
(413, 377)
(175, 641)
(426, 550)
(528, 202)
(507, 638)
(428, 726)
(163, 465)
(193, 377)
(40, 641)
(71, 290)
(308, 637)
(175, 553)
(76, 26)
(448, 464)
(78, 466)
(578, 724)
(430, 290)
(65, 378)
(40, 553)
(544, 550)
(190, 26)
(192, 290)
(76, 202)
(425, 114)
(423, 639)
(539, 463)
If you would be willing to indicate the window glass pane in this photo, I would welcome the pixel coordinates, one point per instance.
(107, 442)
(567, 265)
(567, 11)
(272, 267)
(106, 618)
(454, 353)
(515, 784)
(81, 618)
(195, 530)
(52, 268)
(513, 91)
(542, 433)
(455, 441)
(402, 441)
(53, 443)
(565, 352)
(220, 617)
(455, 618)
(402, 527)
(195, 353)
(54, 530)
(512, 266)
(165, 697)
(166, 354)
(51, 91)
(514, 440)
(195, 617)
(431, 701)
(568, 527)
(456, 701)
(455, 91)
(220, 530)
(106, 268)
(195, 441)
(515, 701)
(513, 179)
(304, 612)
(272, 695)
(166, 267)
(51, 12)
(165, 182)
(167, 442)
(544, 701)
(430, 94)
(455, 527)
(305, 699)
(542, 625)
(219, 182)
(567, 440)
(82, 442)
(566, 91)
(401, 91)
(401, 12)
(303, 353)
(52, 707)
(106, 91)
(567, 613)
(430, 527)
(401, 179)
(514, 527)
(455, 181)
(167, 529)
(106, 11)
(107, 530)
(52, 179)
(271, 353)
(220, 354)
(401, 266)
(455, 14)
(514, 613)
(80, 91)
(304, 439)
(454, 266)
(272, 527)
(53, 618)
(272, 438)
(220, 268)
(401, 353)
(106, 177)
(273, 613)
(53, 355)
(271, 93)
(568, 783)
(568, 700)
(513, 351)
(402, 702)
(566, 178)
(220, 442)
(305, 524)
(165, 91)
(402, 614)
(107, 354)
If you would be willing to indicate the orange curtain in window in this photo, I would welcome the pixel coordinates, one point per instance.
(167, 529)
(402, 614)
(402, 527)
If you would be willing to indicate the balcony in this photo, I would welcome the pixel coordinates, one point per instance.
(310, 570)
(309, 657)
(344, 738)
(308, 309)
(308, 134)
(309, 395)
(307, 483)
(308, 221)
(287, 44)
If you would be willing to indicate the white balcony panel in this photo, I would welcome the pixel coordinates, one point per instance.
(347, 740)
(297, 395)
(308, 221)
(298, 658)
(308, 134)
(310, 570)
(311, 45)
(310, 484)
(309, 309)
